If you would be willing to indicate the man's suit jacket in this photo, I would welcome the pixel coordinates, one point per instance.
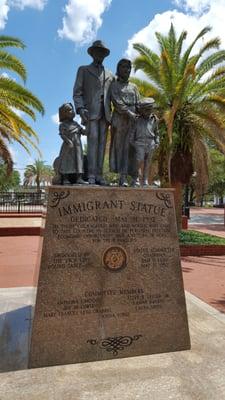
(87, 92)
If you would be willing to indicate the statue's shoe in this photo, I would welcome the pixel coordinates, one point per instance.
(145, 183)
(135, 183)
(91, 181)
(101, 182)
(80, 181)
(123, 183)
(66, 182)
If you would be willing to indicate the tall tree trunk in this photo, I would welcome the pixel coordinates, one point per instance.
(178, 199)
(191, 200)
(38, 184)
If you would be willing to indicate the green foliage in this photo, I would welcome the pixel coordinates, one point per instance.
(15, 98)
(110, 177)
(38, 174)
(194, 237)
(8, 182)
(217, 173)
(189, 90)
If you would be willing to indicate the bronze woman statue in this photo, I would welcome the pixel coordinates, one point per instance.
(124, 96)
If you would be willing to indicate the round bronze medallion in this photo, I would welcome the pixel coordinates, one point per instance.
(115, 258)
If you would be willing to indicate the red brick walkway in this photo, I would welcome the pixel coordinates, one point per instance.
(18, 260)
(213, 229)
(205, 278)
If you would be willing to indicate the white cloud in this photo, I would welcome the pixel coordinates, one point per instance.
(193, 16)
(196, 6)
(83, 19)
(13, 153)
(4, 74)
(18, 112)
(38, 4)
(6, 5)
(4, 9)
(55, 118)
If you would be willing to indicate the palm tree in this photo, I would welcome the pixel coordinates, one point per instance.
(13, 98)
(38, 173)
(189, 90)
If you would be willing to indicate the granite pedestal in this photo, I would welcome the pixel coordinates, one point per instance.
(110, 283)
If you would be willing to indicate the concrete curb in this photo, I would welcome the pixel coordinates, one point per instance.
(206, 307)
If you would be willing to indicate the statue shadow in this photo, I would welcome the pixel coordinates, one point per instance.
(15, 332)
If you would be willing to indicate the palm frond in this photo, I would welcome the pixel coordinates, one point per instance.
(147, 89)
(179, 46)
(14, 97)
(12, 63)
(16, 103)
(17, 90)
(15, 120)
(145, 51)
(209, 45)
(201, 90)
(166, 73)
(162, 41)
(183, 84)
(10, 41)
(187, 53)
(151, 71)
(210, 62)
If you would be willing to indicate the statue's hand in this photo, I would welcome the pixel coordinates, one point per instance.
(70, 144)
(84, 115)
(133, 116)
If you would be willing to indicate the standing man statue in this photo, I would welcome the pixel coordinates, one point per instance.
(92, 102)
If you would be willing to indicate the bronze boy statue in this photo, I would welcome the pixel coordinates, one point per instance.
(144, 139)
(69, 164)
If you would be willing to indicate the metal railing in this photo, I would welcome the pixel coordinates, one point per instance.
(22, 202)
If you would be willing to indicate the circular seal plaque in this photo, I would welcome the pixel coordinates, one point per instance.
(115, 258)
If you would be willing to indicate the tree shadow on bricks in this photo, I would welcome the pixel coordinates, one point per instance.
(187, 269)
(219, 304)
(215, 261)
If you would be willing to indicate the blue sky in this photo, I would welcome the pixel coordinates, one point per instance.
(58, 32)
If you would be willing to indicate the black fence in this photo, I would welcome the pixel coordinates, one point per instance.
(22, 202)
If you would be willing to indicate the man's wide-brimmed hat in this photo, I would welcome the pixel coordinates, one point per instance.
(145, 103)
(98, 44)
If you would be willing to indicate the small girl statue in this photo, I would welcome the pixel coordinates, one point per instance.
(144, 139)
(70, 159)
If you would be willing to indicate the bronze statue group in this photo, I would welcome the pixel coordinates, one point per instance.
(104, 101)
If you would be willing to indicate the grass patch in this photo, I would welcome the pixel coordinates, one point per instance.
(194, 237)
